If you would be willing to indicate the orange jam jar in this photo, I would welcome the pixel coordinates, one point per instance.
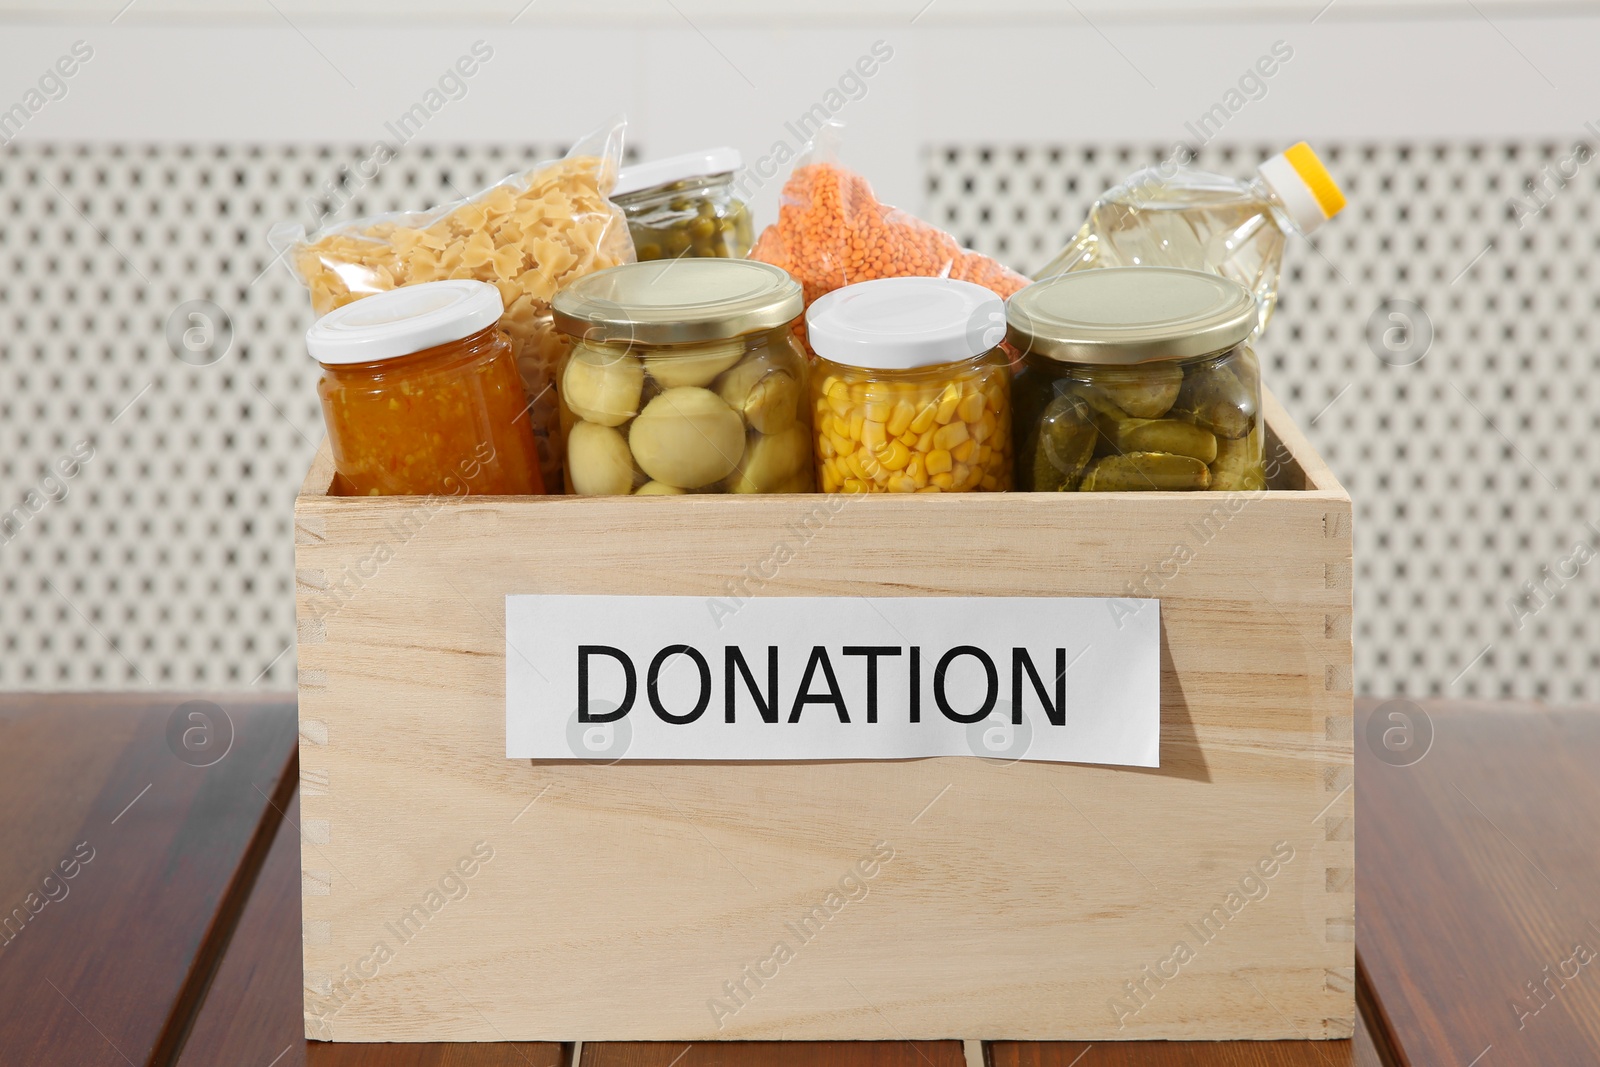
(421, 395)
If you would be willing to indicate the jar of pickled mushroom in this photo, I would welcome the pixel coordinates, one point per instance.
(421, 395)
(686, 377)
(911, 391)
(685, 206)
(1136, 378)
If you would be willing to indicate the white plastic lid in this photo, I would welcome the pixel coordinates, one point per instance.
(904, 323)
(403, 321)
(676, 169)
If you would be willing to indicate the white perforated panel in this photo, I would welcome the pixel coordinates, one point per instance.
(168, 558)
(1473, 469)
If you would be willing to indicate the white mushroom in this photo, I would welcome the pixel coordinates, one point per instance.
(771, 462)
(602, 385)
(687, 437)
(696, 365)
(598, 461)
(766, 395)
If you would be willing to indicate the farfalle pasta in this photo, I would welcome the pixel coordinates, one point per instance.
(528, 235)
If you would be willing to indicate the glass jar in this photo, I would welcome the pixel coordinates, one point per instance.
(686, 378)
(1136, 378)
(912, 391)
(421, 395)
(685, 206)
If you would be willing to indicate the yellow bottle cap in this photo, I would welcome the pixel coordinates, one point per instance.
(1307, 190)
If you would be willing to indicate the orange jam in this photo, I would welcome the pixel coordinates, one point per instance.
(448, 420)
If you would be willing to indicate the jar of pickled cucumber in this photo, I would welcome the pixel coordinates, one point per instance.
(686, 377)
(911, 392)
(421, 395)
(685, 206)
(1136, 378)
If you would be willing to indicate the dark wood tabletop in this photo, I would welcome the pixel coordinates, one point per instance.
(152, 846)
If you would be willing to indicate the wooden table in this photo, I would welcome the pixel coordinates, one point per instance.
(151, 845)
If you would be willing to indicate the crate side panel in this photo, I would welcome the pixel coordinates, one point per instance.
(1021, 899)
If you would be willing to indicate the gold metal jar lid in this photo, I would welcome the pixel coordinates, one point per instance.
(678, 301)
(1122, 315)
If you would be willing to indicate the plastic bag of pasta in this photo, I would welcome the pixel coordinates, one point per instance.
(528, 235)
(832, 231)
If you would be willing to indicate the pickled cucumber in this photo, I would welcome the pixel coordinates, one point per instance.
(687, 437)
(1162, 435)
(1066, 441)
(1146, 471)
(1214, 399)
(1144, 391)
(602, 386)
(1238, 465)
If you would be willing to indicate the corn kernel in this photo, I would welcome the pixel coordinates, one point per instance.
(963, 452)
(853, 485)
(902, 484)
(924, 419)
(857, 420)
(840, 405)
(951, 435)
(876, 411)
(895, 456)
(939, 461)
(971, 407)
(825, 447)
(899, 420)
(943, 481)
(947, 407)
(989, 484)
(873, 435)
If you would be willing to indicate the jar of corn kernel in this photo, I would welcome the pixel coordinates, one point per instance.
(911, 393)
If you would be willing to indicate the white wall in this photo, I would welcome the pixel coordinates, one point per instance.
(956, 80)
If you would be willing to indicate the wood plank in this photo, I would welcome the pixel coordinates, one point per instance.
(252, 1010)
(775, 1054)
(253, 1013)
(1023, 903)
(1478, 875)
(159, 855)
(1170, 1054)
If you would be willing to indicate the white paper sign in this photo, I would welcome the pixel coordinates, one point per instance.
(1064, 679)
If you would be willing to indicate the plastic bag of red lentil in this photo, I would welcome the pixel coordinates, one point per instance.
(832, 231)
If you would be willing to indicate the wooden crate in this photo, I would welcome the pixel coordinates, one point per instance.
(1022, 900)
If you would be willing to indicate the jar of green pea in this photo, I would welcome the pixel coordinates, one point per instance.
(685, 206)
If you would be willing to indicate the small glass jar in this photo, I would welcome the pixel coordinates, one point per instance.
(1136, 378)
(686, 378)
(685, 206)
(421, 395)
(912, 391)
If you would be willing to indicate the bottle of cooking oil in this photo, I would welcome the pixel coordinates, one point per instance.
(1174, 216)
